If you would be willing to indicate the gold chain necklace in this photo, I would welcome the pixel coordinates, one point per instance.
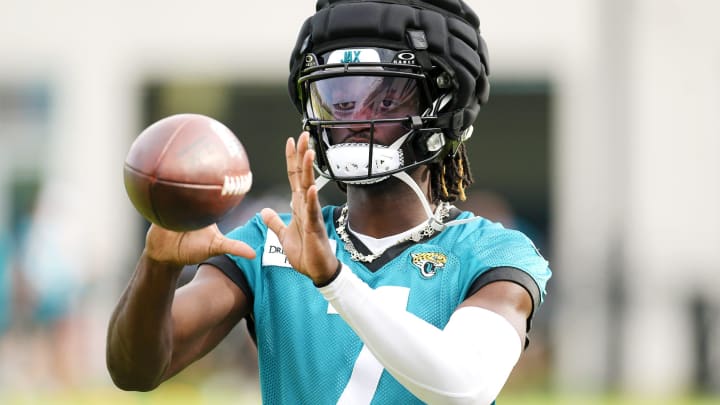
(441, 212)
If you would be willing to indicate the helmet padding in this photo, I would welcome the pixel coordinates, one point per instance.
(443, 33)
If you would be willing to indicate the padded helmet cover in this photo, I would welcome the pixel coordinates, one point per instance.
(453, 43)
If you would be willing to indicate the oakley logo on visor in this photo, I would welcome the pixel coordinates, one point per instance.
(354, 56)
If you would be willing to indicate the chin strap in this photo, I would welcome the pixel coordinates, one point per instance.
(405, 178)
(438, 226)
(321, 181)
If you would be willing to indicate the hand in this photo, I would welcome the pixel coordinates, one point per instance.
(304, 239)
(192, 247)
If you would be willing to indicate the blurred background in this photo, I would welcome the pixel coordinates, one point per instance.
(601, 141)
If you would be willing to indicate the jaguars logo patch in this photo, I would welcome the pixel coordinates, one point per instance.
(428, 262)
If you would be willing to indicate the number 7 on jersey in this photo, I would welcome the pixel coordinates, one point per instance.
(367, 370)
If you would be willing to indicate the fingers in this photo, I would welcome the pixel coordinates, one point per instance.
(273, 221)
(300, 172)
(308, 178)
(223, 245)
(294, 156)
(312, 202)
(303, 142)
(291, 160)
(313, 211)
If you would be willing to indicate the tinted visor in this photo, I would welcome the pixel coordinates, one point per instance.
(364, 98)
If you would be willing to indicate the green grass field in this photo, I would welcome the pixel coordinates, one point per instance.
(180, 394)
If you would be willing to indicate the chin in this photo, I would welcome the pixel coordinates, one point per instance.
(380, 186)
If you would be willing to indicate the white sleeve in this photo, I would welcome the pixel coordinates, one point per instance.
(466, 363)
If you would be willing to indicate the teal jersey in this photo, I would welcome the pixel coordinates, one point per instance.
(307, 354)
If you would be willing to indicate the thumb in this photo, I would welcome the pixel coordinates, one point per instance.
(273, 221)
(224, 245)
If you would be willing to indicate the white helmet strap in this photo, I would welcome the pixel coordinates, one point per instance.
(321, 181)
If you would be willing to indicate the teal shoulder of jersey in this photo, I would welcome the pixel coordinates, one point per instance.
(308, 354)
(488, 245)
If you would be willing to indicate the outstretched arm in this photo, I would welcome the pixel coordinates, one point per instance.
(154, 331)
(467, 362)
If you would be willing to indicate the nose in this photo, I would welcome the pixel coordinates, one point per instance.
(360, 132)
(362, 112)
(365, 111)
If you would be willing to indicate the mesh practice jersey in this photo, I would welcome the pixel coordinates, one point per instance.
(307, 354)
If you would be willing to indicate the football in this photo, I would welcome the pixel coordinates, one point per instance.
(186, 171)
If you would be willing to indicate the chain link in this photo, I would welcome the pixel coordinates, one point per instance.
(441, 212)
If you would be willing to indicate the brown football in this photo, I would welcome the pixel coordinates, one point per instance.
(186, 171)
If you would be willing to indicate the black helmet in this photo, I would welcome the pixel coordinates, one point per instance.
(432, 47)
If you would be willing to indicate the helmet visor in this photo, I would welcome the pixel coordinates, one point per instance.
(364, 98)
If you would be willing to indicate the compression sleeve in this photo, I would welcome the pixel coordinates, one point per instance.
(466, 363)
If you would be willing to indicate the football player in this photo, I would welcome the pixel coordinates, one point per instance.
(395, 297)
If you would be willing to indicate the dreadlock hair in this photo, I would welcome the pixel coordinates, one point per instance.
(451, 176)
